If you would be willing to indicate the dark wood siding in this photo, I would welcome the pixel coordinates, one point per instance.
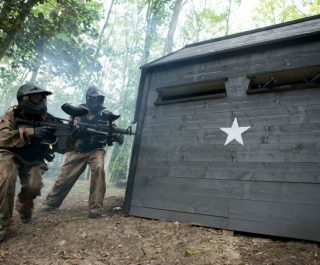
(270, 185)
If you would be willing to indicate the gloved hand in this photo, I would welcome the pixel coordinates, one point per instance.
(78, 132)
(45, 133)
(119, 138)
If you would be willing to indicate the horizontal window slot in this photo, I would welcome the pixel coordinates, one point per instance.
(193, 91)
(301, 78)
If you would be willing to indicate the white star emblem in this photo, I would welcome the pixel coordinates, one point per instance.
(234, 133)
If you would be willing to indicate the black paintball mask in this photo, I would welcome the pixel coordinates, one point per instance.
(94, 99)
(32, 99)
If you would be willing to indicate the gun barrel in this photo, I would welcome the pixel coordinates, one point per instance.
(59, 124)
(108, 130)
(124, 131)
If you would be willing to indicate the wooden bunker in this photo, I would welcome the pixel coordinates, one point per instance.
(181, 169)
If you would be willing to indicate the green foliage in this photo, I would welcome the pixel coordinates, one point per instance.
(208, 21)
(57, 36)
(273, 12)
(119, 162)
(8, 91)
(312, 7)
(10, 11)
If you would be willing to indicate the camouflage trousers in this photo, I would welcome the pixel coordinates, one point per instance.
(75, 164)
(30, 174)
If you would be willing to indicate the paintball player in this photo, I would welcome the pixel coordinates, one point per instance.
(89, 150)
(22, 152)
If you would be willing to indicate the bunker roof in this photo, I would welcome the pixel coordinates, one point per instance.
(296, 29)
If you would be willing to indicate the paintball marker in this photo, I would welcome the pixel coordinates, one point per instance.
(65, 128)
(105, 126)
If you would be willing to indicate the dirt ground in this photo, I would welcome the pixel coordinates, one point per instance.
(70, 237)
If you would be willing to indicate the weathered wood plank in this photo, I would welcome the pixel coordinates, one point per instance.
(238, 166)
(301, 128)
(284, 62)
(174, 201)
(196, 219)
(301, 112)
(260, 156)
(163, 189)
(306, 152)
(226, 121)
(291, 133)
(275, 212)
(283, 99)
(285, 57)
(273, 172)
(262, 137)
(275, 229)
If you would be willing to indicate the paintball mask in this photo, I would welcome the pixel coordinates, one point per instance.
(94, 99)
(32, 99)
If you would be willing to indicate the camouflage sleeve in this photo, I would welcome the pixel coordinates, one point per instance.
(10, 135)
(73, 140)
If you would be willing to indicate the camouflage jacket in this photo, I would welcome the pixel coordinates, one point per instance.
(20, 141)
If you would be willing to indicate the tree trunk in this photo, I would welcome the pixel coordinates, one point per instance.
(151, 27)
(172, 27)
(39, 57)
(17, 26)
(125, 75)
(99, 45)
(34, 74)
(23, 76)
(106, 22)
(228, 13)
(199, 22)
(232, 4)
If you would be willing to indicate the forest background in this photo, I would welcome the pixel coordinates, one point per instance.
(67, 45)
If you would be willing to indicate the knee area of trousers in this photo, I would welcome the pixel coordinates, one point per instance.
(35, 191)
(8, 178)
(98, 169)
